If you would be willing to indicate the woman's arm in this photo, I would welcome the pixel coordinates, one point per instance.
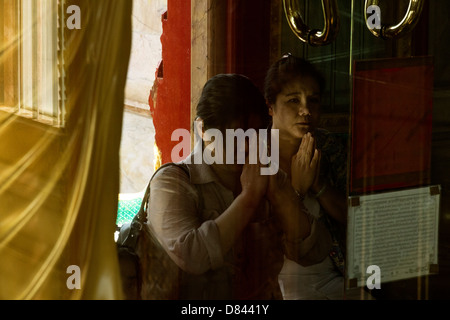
(232, 222)
(174, 217)
(332, 200)
(289, 208)
(305, 173)
(197, 246)
(307, 240)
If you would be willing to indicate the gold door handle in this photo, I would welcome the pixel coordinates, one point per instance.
(405, 26)
(313, 37)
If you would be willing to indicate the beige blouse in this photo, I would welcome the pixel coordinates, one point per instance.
(182, 210)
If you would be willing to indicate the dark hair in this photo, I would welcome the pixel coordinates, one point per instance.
(285, 70)
(227, 97)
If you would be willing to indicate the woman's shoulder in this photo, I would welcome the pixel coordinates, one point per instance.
(172, 171)
(171, 183)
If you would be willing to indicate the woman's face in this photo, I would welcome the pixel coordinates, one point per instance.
(238, 150)
(297, 107)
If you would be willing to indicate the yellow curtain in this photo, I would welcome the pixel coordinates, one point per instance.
(59, 186)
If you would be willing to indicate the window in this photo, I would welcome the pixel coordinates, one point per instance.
(31, 69)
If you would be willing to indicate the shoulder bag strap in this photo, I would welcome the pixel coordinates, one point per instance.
(140, 218)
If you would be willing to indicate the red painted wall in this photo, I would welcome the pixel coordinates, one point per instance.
(171, 95)
(247, 45)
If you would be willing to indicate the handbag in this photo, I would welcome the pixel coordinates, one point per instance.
(147, 271)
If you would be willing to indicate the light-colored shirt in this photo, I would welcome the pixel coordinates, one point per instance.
(182, 213)
(321, 280)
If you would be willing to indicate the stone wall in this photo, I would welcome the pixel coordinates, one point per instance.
(138, 133)
(145, 52)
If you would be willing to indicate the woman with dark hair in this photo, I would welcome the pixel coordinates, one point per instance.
(293, 90)
(215, 221)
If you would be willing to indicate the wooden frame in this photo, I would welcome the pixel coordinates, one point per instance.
(10, 53)
(208, 50)
(29, 74)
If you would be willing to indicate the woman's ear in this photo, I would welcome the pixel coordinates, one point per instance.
(271, 110)
(270, 107)
(198, 128)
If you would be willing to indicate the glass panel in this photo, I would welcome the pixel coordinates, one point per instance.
(390, 98)
(403, 86)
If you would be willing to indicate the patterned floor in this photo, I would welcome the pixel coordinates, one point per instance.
(128, 208)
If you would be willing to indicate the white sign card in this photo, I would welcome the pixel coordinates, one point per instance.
(395, 231)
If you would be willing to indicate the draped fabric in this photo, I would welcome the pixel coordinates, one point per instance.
(59, 186)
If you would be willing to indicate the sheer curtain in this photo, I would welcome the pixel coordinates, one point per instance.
(59, 184)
